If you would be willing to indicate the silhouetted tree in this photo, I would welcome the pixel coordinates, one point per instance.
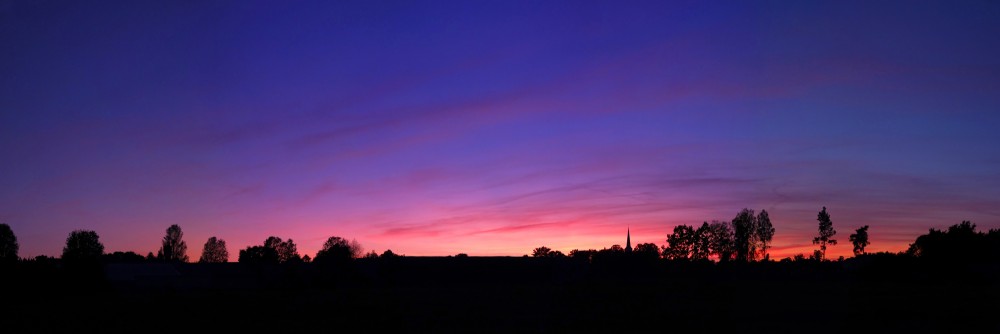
(701, 248)
(649, 251)
(860, 240)
(273, 251)
(959, 243)
(826, 233)
(613, 253)
(585, 255)
(541, 252)
(306, 259)
(150, 257)
(123, 257)
(764, 233)
(337, 249)
(214, 251)
(745, 235)
(82, 247)
(174, 249)
(816, 256)
(547, 252)
(389, 254)
(719, 237)
(287, 250)
(8, 244)
(458, 256)
(258, 255)
(680, 244)
(371, 255)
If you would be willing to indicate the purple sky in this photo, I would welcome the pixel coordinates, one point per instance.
(493, 127)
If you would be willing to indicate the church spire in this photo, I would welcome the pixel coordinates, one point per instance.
(628, 240)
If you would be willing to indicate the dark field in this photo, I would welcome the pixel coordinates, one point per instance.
(474, 295)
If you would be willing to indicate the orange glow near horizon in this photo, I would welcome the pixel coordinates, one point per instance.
(491, 241)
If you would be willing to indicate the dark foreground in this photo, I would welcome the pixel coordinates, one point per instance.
(522, 295)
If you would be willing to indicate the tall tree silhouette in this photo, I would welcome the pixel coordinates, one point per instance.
(764, 233)
(174, 249)
(214, 251)
(701, 248)
(337, 249)
(826, 233)
(860, 240)
(719, 237)
(82, 247)
(745, 235)
(8, 244)
(680, 244)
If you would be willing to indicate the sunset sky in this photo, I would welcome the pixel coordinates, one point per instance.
(493, 127)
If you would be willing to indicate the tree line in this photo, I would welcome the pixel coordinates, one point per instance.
(84, 246)
(746, 238)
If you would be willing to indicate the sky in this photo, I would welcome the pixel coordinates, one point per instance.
(494, 127)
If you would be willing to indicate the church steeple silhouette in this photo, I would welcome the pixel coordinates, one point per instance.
(628, 240)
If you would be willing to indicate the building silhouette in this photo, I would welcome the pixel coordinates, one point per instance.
(628, 241)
